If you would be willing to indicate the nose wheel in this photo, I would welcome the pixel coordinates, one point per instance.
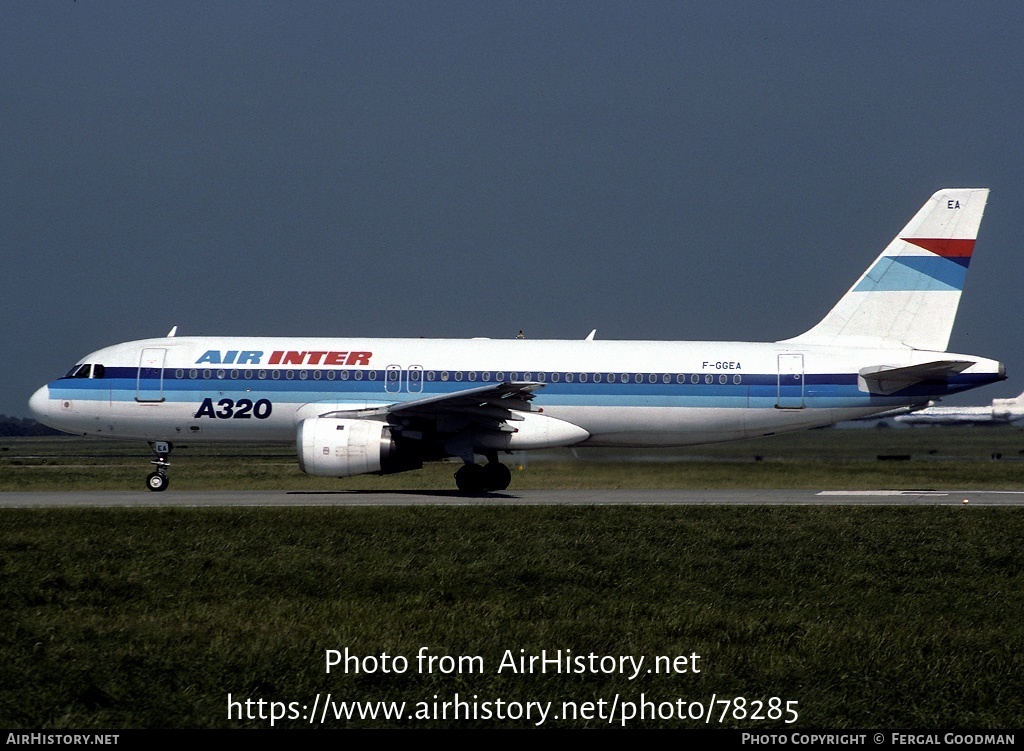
(157, 480)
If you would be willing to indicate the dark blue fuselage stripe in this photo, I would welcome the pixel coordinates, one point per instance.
(756, 386)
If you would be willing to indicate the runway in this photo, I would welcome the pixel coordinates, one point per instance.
(235, 499)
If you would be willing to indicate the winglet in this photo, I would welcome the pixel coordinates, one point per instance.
(909, 296)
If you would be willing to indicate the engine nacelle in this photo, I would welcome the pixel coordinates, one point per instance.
(338, 447)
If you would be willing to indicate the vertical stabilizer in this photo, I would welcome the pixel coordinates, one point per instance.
(910, 294)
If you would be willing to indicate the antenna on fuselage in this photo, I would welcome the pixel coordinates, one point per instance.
(172, 332)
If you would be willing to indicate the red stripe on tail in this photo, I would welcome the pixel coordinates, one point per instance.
(943, 246)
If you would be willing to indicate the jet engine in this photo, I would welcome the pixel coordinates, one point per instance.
(339, 447)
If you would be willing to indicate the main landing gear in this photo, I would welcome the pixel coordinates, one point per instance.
(476, 478)
(158, 480)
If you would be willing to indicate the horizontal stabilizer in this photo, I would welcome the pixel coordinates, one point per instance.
(882, 379)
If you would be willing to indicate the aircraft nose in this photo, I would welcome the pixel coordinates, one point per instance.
(40, 404)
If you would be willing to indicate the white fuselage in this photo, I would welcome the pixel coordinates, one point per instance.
(622, 393)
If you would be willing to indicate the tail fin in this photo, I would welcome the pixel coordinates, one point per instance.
(910, 294)
(1011, 409)
(1013, 401)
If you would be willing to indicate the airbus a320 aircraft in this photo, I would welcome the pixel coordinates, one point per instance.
(359, 405)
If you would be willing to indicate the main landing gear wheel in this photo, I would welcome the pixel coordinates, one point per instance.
(496, 476)
(157, 480)
(470, 478)
(473, 478)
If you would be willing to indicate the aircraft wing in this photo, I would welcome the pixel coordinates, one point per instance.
(495, 402)
(882, 379)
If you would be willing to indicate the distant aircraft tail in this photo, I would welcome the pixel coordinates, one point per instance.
(1009, 410)
(909, 296)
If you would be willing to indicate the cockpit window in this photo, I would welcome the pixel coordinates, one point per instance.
(86, 370)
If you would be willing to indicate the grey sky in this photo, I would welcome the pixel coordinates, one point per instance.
(653, 170)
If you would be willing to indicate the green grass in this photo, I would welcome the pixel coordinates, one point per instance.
(868, 617)
(827, 459)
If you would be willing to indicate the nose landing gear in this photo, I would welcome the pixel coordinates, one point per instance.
(158, 480)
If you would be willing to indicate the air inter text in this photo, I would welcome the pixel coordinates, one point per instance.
(283, 357)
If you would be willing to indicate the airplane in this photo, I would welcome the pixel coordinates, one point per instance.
(1000, 412)
(360, 405)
